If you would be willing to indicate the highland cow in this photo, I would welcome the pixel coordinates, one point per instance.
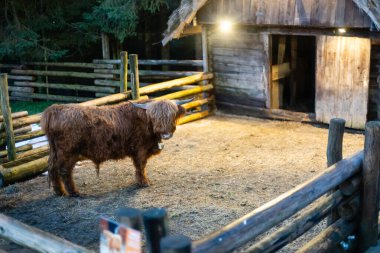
(99, 134)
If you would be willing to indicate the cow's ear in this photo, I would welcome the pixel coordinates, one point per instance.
(181, 111)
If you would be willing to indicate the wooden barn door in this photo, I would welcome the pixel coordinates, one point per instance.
(342, 77)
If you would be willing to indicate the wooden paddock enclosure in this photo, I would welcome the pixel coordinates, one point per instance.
(346, 193)
(26, 161)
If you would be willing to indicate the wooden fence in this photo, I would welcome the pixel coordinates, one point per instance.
(349, 188)
(79, 82)
(24, 162)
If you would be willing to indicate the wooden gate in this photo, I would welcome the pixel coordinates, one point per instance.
(342, 77)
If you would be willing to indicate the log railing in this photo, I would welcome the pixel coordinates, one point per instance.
(79, 82)
(32, 162)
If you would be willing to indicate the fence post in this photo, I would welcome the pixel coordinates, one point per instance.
(176, 244)
(156, 227)
(6, 110)
(368, 229)
(132, 217)
(334, 153)
(123, 71)
(135, 82)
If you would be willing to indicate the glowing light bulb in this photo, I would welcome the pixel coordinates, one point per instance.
(342, 30)
(225, 25)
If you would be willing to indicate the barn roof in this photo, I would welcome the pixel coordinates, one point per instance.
(187, 10)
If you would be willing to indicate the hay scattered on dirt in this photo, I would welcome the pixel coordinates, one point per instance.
(210, 173)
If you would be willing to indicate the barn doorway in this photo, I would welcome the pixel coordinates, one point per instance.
(293, 73)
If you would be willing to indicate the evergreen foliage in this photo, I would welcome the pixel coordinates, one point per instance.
(52, 29)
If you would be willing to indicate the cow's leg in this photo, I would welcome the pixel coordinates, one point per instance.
(67, 176)
(140, 161)
(57, 181)
(55, 164)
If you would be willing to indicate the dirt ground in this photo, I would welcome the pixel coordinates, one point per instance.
(210, 173)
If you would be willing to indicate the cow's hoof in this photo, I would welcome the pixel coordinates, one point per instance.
(145, 183)
(75, 195)
(59, 193)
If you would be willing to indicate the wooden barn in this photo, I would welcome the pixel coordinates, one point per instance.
(301, 59)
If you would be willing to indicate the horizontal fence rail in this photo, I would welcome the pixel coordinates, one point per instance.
(34, 238)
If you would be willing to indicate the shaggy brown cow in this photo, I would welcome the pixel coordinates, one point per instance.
(102, 133)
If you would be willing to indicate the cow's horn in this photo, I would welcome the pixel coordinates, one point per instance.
(181, 102)
(142, 106)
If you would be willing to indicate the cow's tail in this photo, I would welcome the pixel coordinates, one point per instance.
(52, 161)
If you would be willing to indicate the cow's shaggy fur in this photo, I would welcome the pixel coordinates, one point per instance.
(77, 132)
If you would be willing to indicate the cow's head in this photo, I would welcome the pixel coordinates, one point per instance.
(163, 114)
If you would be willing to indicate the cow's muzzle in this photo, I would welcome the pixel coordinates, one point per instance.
(166, 136)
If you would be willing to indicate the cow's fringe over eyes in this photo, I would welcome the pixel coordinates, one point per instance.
(162, 113)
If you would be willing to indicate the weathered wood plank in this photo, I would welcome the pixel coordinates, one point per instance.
(194, 63)
(342, 79)
(312, 13)
(229, 67)
(60, 73)
(65, 86)
(49, 96)
(7, 117)
(33, 238)
(328, 240)
(237, 52)
(26, 78)
(21, 89)
(301, 224)
(71, 64)
(368, 229)
(254, 62)
(107, 82)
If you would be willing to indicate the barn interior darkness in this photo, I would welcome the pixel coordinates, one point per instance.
(374, 82)
(301, 81)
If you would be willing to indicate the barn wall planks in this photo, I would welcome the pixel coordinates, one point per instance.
(342, 77)
(240, 65)
(312, 13)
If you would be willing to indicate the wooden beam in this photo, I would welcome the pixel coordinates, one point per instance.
(61, 73)
(205, 49)
(328, 240)
(15, 115)
(280, 71)
(7, 117)
(300, 225)
(277, 88)
(188, 92)
(277, 114)
(71, 64)
(35, 239)
(194, 63)
(135, 81)
(370, 194)
(105, 46)
(49, 97)
(18, 150)
(334, 152)
(293, 67)
(174, 83)
(192, 117)
(123, 71)
(67, 86)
